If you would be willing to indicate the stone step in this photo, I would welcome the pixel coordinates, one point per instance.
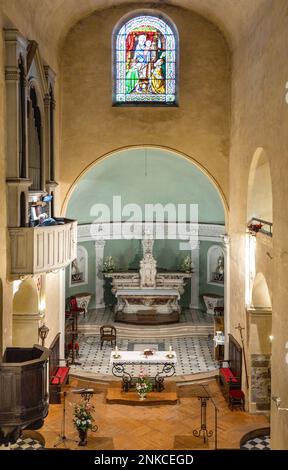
(134, 331)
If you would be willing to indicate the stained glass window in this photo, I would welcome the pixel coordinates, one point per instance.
(145, 61)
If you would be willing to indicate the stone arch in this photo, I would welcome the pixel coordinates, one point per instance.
(260, 293)
(191, 158)
(26, 299)
(259, 198)
(26, 314)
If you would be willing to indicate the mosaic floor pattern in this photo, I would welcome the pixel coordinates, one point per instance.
(257, 443)
(194, 354)
(26, 443)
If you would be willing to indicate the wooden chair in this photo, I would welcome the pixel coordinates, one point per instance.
(108, 333)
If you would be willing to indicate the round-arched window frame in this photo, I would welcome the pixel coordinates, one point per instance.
(145, 61)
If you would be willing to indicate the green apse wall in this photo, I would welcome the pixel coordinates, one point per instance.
(143, 176)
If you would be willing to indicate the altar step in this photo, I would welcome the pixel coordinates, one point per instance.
(115, 395)
(179, 380)
(151, 331)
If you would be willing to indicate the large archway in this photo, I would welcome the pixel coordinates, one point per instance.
(135, 179)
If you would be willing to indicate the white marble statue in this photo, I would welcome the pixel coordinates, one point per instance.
(148, 271)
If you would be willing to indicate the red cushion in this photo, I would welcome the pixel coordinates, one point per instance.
(228, 375)
(60, 376)
(76, 345)
(236, 394)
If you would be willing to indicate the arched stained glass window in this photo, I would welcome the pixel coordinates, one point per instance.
(145, 61)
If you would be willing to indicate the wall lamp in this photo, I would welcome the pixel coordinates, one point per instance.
(43, 333)
(278, 402)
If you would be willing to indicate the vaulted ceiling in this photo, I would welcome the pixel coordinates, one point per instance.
(48, 21)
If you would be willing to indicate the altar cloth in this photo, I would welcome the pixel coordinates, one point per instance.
(138, 357)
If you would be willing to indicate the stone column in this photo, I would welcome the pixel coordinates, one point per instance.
(226, 241)
(195, 251)
(46, 137)
(99, 280)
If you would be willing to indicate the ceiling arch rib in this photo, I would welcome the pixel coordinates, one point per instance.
(51, 21)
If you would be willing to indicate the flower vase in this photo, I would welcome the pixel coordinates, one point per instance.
(82, 437)
(142, 396)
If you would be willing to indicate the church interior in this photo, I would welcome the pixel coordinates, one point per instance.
(143, 279)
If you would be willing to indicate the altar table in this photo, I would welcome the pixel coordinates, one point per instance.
(119, 359)
(161, 300)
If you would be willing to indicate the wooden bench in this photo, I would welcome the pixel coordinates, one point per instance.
(58, 374)
(230, 377)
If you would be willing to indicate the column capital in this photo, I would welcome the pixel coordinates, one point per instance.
(12, 74)
(195, 245)
(47, 100)
(99, 243)
(226, 239)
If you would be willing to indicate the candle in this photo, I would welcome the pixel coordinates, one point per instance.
(170, 348)
(116, 348)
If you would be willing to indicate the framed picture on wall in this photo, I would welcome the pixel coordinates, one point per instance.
(79, 268)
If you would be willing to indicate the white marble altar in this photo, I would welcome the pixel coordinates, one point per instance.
(147, 300)
(148, 291)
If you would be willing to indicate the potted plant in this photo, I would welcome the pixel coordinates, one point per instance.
(254, 228)
(83, 420)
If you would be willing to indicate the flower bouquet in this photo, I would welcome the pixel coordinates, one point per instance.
(143, 385)
(254, 228)
(109, 265)
(83, 420)
(187, 265)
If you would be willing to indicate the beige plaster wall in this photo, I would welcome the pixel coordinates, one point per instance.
(260, 115)
(5, 287)
(53, 301)
(91, 127)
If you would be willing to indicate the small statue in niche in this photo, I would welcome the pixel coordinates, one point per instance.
(218, 274)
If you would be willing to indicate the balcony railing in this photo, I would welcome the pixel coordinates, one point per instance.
(35, 250)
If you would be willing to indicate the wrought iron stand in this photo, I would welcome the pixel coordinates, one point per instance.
(204, 396)
(203, 429)
(118, 370)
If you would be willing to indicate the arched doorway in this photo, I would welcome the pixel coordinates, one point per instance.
(259, 281)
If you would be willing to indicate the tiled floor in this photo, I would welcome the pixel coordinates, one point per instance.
(26, 443)
(194, 354)
(257, 443)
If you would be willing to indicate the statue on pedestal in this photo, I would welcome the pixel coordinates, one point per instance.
(148, 271)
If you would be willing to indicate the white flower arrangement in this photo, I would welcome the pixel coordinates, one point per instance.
(109, 265)
(187, 264)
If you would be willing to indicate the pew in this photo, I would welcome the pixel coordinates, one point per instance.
(58, 374)
(230, 377)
